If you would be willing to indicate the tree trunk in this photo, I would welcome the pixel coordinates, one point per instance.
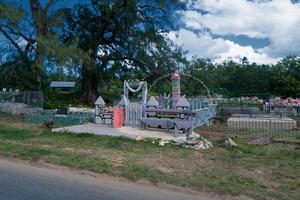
(37, 66)
(89, 92)
(90, 81)
(40, 26)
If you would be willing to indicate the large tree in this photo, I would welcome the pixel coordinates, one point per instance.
(16, 46)
(285, 77)
(122, 38)
(33, 35)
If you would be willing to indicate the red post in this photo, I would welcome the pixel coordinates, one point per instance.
(118, 117)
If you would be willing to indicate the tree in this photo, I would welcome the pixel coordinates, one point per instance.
(34, 37)
(285, 79)
(15, 67)
(122, 38)
(204, 70)
(229, 78)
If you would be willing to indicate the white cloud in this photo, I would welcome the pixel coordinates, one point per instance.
(205, 46)
(276, 20)
(237, 52)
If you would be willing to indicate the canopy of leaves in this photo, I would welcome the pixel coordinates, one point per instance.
(245, 79)
(101, 43)
(123, 39)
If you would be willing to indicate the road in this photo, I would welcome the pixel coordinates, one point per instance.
(22, 181)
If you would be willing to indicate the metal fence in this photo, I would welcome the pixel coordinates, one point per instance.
(252, 121)
(31, 98)
(72, 118)
(133, 113)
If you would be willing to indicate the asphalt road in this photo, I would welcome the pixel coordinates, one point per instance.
(21, 181)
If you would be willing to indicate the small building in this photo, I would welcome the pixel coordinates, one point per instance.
(62, 86)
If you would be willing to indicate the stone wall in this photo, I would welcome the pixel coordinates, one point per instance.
(18, 108)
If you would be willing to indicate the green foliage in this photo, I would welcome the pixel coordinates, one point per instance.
(245, 79)
(285, 79)
(130, 38)
(62, 53)
(10, 13)
(54, 100)
(100, 44)
(223, 114)
(33, 37)
(17, 74)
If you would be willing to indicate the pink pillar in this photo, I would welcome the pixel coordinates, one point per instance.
(175, 78)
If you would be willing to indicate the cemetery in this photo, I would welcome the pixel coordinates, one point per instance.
(16, 102)
(166, 117)
(200, 98)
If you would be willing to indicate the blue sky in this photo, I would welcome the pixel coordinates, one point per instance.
(262, 30)
(61, 3)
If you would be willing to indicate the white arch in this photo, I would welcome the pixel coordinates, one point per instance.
(184, 74)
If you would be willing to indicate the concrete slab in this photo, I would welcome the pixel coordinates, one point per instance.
(130, 132)
(261, 123)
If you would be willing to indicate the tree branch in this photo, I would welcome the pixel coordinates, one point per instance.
(12, 41)
(12, 31)
(50, 4)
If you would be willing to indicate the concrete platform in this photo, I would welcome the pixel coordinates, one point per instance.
(261, 123)
(130, 132)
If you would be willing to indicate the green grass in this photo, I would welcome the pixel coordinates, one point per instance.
(258, 171)
(225, 183)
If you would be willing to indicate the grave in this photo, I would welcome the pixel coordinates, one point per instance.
(172, 112)
(137, 115)
(72, 118)
(261, 123)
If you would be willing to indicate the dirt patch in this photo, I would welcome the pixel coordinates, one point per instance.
(262, 140)
(258, 174)
(172, 162)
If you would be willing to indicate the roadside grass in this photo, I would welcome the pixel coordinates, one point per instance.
(257, 171)
(292, 136)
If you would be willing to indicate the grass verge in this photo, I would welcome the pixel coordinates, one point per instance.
(257, 171)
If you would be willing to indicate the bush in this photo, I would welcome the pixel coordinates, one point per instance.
(54, 100)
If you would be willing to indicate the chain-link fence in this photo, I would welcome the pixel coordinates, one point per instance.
(252, 121)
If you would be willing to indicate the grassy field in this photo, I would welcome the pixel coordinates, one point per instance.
(259, 172)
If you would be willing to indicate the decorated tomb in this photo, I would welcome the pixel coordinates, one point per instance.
(168, 111)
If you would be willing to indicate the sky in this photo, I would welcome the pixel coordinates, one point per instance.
(264, 31)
